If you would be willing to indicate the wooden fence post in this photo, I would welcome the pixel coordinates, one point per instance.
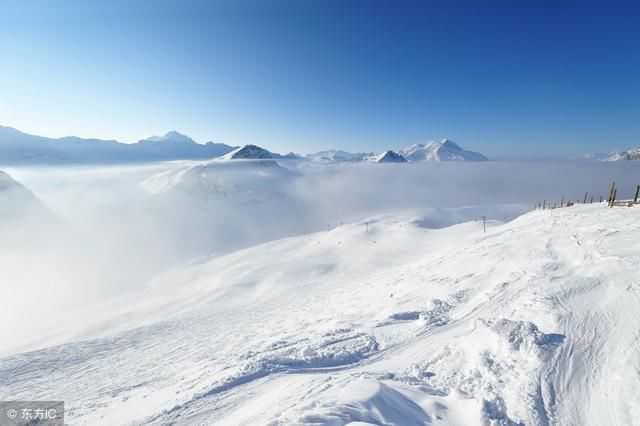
(613, 188)
(613, 197)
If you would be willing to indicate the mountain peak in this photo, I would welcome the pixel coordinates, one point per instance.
(248, 152)
(175, 135)
(445, 150)
(449, 143)
(172, 136)
(388, 157)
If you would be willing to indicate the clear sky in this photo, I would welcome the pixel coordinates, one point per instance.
(500, 77)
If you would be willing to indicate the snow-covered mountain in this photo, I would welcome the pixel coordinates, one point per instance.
(289, 156)
(387, 157)
(222, 204)
(338, 156)
(632, 154)
(17, 203)
(220, 176)
(253, 152)
(170, 137)
(378, 322)
(433, 151)
(21, 148)
(248, 152)
(446, 150)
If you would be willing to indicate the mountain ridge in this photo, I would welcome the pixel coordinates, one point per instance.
(17, 147)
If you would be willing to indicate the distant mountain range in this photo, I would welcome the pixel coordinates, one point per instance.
(17, 147)
(21, 148)
(446, 150)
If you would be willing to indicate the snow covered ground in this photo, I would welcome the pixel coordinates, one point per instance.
(384, 321)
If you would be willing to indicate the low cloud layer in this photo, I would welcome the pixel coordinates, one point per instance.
(114, 235)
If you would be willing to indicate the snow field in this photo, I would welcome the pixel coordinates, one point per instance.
(533, 322)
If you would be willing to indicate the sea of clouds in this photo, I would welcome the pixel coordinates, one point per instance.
(112, 236)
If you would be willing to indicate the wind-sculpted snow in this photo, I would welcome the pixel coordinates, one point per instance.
(382, 321)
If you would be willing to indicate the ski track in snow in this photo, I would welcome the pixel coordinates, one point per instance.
(533, 322)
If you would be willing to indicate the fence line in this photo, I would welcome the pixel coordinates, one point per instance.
(611, 200)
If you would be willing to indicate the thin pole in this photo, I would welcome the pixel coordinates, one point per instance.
(484, 223)
(635, 199)
(585, 198)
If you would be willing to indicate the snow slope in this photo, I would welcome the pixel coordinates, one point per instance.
(446, 150)
(18, 203)
(380, 322)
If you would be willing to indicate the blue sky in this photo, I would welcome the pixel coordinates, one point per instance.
(503, 77)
